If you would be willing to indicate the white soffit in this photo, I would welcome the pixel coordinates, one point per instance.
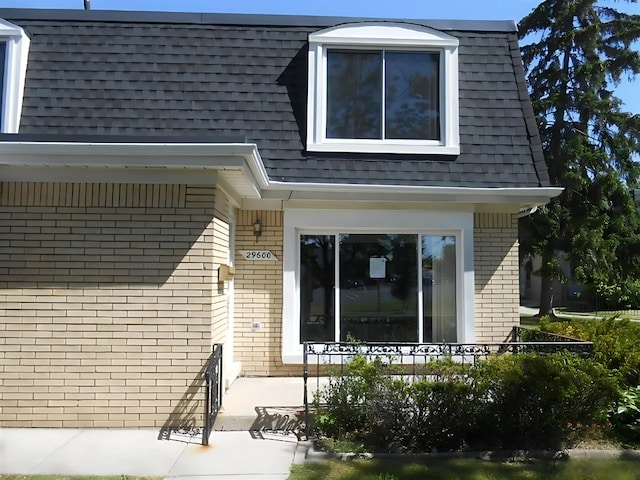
(238, 165)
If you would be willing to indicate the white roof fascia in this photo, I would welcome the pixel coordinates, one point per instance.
(18, 159)
(316, 191)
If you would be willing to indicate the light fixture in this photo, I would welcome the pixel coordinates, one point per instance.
(257, 228)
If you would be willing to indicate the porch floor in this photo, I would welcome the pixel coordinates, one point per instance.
(265, 404)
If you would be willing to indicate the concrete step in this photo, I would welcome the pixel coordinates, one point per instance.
(274, 419)
(270, 404)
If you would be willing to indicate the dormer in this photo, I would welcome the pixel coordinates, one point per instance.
(382, 87)
(14, 50)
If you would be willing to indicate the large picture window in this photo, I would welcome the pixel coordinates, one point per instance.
(368, 286)
(377, 276)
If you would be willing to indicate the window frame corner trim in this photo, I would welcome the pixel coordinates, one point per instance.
(17, 44)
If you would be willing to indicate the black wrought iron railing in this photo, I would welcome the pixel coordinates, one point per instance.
(412, 357)
(213, 391)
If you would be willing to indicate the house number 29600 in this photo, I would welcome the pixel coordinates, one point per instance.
(258, 255)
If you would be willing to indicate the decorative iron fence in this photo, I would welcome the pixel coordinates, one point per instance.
(412, 357)
(213, 391)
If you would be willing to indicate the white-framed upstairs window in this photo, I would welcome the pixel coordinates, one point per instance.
(381, 87)
(14, 50)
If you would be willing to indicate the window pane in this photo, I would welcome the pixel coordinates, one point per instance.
(354, 94)
(317, 280)
(412, 95)
(439, 288)
(378, 287)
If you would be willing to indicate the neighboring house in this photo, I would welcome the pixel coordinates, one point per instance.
(170, 181)
(570, 293)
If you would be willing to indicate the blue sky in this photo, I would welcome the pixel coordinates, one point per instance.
(423, 9)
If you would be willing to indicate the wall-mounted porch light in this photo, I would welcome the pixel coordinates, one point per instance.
(257, 228)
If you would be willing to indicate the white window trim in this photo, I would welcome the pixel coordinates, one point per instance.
(305, 221)
(383, 35)
(15, 72)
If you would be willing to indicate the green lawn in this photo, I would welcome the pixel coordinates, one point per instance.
(468, 469)
(530, 322)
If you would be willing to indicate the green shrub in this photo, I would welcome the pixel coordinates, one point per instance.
(521, 401)
(615, 344)
(531, 401)
(422, 415)
(343, 399)
(625, 416)
(443, 414)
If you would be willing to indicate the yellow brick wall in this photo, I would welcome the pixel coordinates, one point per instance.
(496, 275)
(105, 303)
(221, 238)
(258, 297)
(259, 288)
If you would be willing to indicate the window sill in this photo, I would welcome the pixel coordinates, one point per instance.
(410, 148)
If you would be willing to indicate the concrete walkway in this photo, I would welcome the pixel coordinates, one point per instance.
(230, 455)
(254, 438)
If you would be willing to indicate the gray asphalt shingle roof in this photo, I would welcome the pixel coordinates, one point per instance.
(112, 73)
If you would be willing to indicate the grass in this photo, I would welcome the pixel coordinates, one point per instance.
(530, 322)
(468, 469)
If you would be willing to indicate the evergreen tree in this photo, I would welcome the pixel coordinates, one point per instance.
(576, 52)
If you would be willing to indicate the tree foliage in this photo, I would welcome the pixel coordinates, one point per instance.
(575, 53)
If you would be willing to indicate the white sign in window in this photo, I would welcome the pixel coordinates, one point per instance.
(377, 267)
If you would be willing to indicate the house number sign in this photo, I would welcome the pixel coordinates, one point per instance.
(262, 255)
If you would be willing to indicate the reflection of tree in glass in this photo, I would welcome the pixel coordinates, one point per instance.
(402, 268)
(435, 250)
(355, 252)
(354, 94)
(317, 256)
(316, 271)
(412, 106)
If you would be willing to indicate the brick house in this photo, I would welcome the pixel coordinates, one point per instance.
(172, 181)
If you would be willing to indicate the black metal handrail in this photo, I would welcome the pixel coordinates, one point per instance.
(213, 391)
(519, 340)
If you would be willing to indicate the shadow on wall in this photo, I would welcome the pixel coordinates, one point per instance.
(492, 248)
(76, 249)
(186, 421)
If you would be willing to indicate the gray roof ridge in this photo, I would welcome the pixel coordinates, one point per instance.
(125, 16)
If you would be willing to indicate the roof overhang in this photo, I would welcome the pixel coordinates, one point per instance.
(237, 167)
